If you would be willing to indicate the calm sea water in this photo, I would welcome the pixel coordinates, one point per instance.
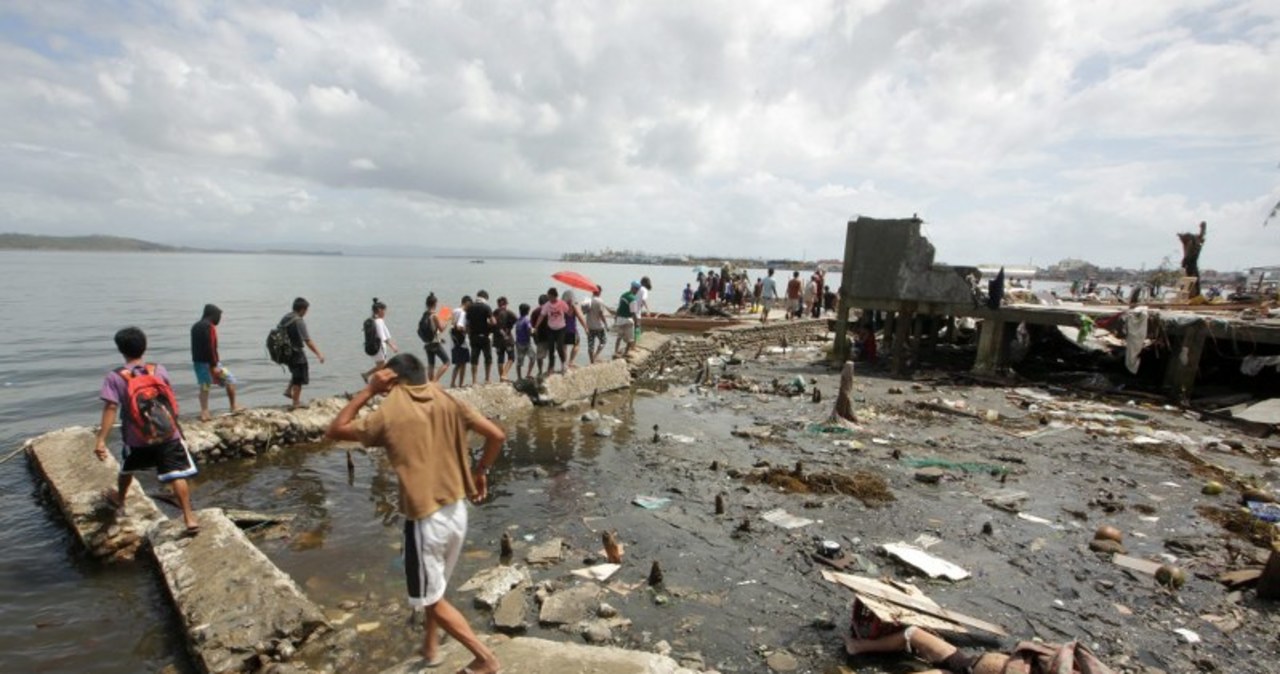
(63, 613)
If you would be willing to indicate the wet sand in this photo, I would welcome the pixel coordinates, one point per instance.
(733, 598)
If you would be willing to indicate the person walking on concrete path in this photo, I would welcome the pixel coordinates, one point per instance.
(768, 295)
(204, 359)
(794, 304)
(479, 321)
(382, 336)
(424, 430)
(597, 327)
(624, 322)
(141, 394)
(504, 339)
(432, 332)
(299, 369)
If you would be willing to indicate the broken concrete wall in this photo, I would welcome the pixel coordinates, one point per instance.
(254, 431)
(658, 353)
(231, 598)
(581, 383)
(77, 479)
(892, 260)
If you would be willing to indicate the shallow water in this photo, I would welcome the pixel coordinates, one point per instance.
(66, 613)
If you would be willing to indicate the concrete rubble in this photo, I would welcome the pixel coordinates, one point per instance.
(77, 482)
(524, 655)
(491, 585)
(236, 606)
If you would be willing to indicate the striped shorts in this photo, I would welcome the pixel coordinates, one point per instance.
(431, 549)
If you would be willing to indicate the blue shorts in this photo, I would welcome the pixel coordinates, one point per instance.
(207, 376)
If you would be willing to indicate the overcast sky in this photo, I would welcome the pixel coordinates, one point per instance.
(1019, 130)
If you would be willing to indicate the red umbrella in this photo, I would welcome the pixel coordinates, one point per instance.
(575, 280)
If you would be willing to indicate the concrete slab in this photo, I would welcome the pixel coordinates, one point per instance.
(77, 480)
(230, 597)
(494, 400)
(524, 655)
(256, 430)
(1265, 412)
(580, 383)
(570, 605)
(892, 260)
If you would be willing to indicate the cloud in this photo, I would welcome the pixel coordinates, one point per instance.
(1034, 129)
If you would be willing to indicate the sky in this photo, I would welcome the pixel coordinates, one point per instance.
(1020, 131)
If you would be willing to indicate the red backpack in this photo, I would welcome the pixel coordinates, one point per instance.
(149, 402)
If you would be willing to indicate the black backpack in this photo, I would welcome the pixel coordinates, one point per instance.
(427, 328)
(372, 344)
(279, 347)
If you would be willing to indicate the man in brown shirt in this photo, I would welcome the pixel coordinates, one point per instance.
(424, 430)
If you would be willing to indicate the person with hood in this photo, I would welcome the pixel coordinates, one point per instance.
(204, 358)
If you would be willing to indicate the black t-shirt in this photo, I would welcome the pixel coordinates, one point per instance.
(478, 315)
(505, 321)
(202, 346)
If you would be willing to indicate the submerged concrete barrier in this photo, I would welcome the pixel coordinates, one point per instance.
(232, 599)
(77, 481)
(251, 432)
(237, 608)
(583, 382)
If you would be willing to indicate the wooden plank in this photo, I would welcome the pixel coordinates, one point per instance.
(1240, 578)
(877, 590)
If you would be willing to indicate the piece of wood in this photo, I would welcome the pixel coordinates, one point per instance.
(878, 590)
(937, 407)
(840, 563)
(246, 518)
(1239, 578)
(1269, 583)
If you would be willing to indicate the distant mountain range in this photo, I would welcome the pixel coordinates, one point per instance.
(94, 242)
(119, 244)
(116, 244)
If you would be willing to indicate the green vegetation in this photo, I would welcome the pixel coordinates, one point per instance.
(95, 242)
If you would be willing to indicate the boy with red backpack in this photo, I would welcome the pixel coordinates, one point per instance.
(140, 393)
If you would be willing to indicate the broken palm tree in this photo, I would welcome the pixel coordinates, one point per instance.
(843, 411)
(1191, 247)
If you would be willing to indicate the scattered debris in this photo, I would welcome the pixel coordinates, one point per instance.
(863, 485)
(785, 520)
(932, 566)
(550, 551)
(651, 502)
(904, 604)
(599, 572)
(491, 585)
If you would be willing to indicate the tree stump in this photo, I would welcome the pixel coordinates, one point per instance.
(612, 548)
(844, 401)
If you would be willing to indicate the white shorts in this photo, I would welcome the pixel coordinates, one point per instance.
(431, 549)
(626, 329)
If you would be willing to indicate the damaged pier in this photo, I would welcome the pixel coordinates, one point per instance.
(889, 267)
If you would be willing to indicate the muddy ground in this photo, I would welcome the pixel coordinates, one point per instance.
(744, 595)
